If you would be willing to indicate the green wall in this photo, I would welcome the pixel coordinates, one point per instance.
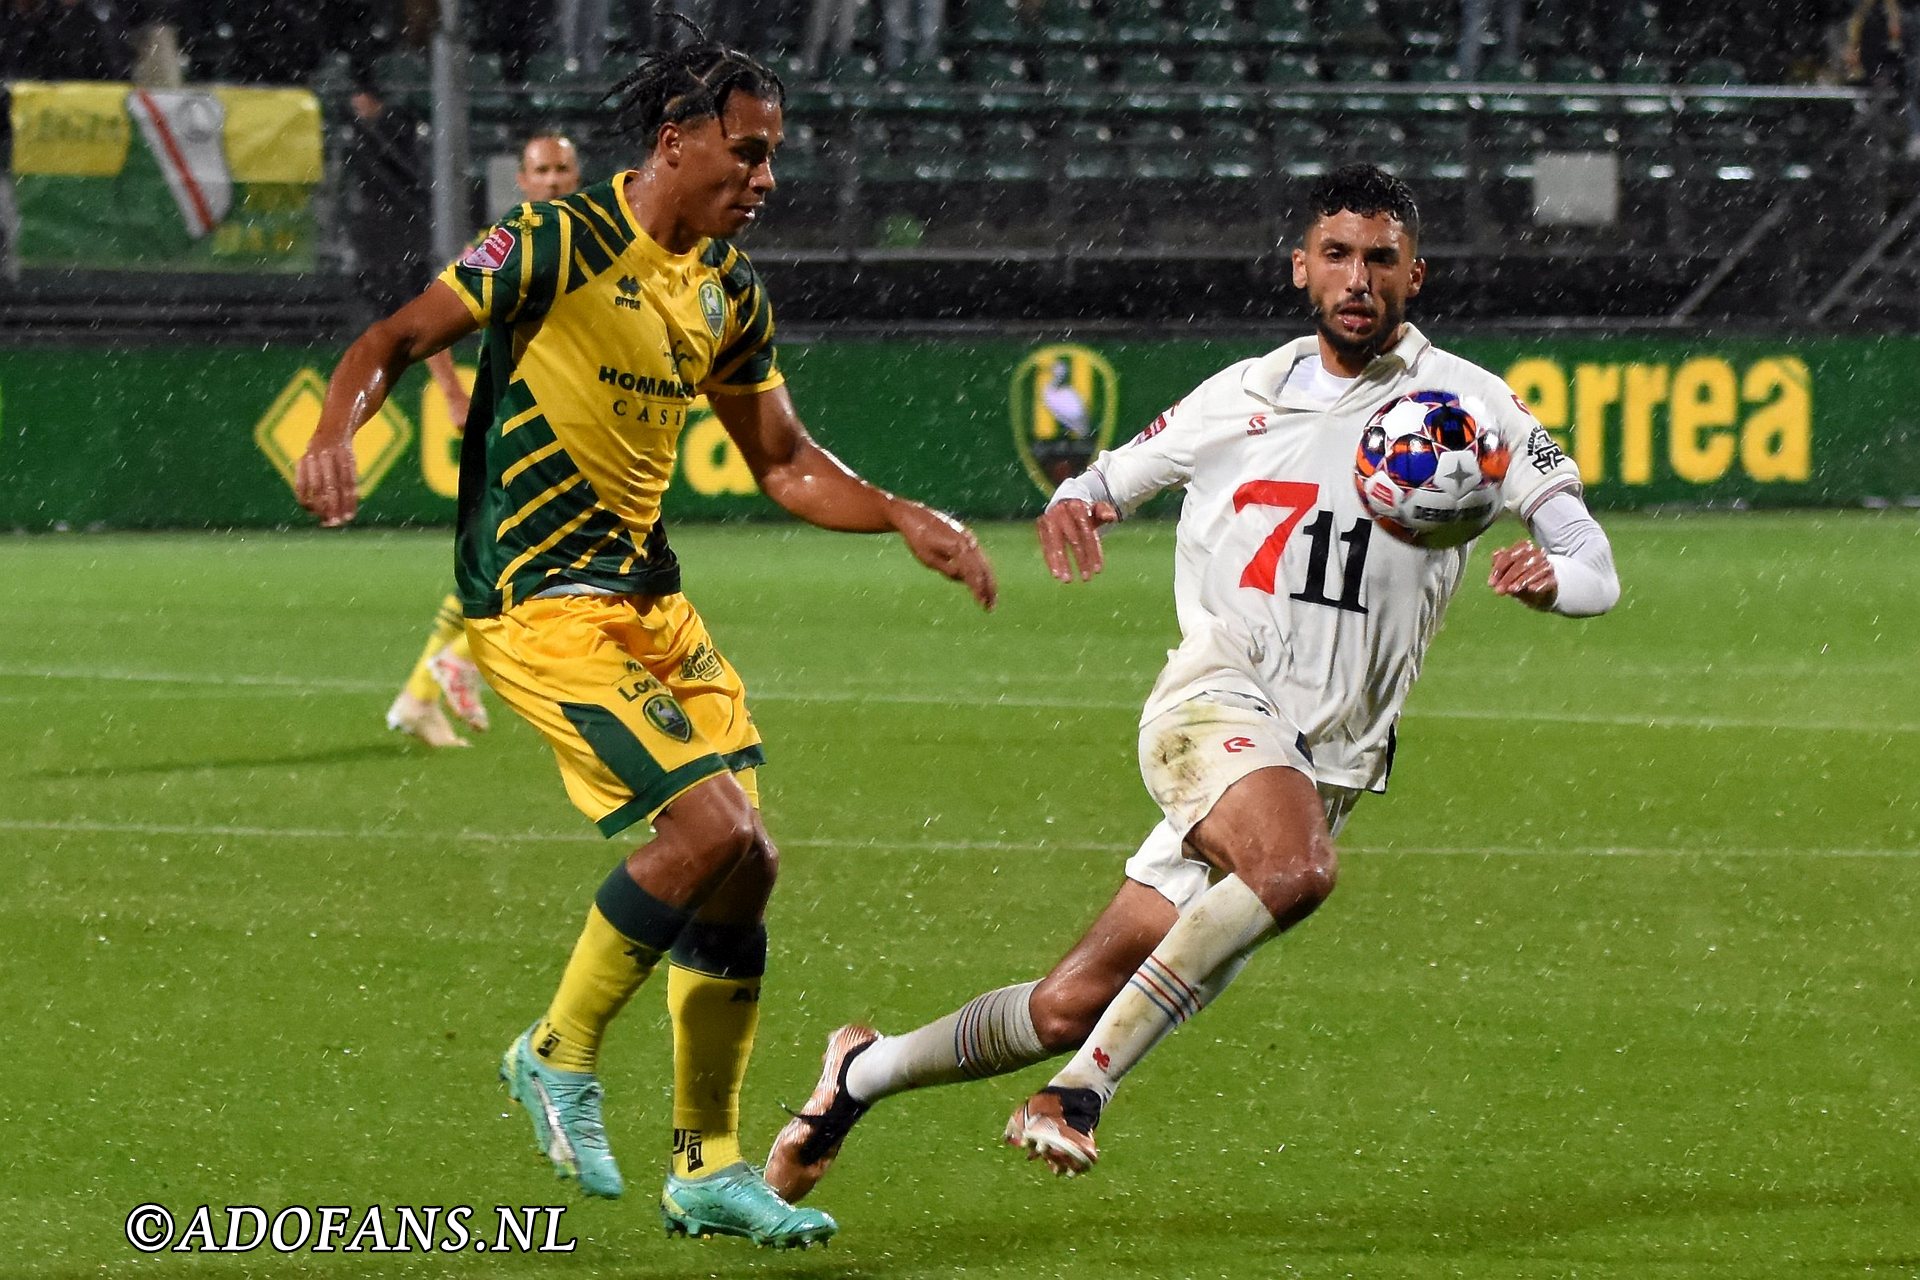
(164, 437)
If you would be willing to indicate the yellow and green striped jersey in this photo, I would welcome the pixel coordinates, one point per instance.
(596, 341)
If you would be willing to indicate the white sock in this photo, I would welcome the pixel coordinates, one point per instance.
(990, 1034)
(1203, 952)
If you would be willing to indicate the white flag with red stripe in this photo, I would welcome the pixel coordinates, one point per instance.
(186, 131)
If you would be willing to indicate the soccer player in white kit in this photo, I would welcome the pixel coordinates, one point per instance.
(1303, 626)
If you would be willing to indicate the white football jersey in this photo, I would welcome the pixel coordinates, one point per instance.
(1285, 589)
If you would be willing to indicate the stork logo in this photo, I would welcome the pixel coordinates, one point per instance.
(490, 254)
(1235, 746)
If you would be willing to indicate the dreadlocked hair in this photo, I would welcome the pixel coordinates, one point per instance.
(691, 82)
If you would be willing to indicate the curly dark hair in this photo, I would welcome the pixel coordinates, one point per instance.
(1365, 189)
(691, 82)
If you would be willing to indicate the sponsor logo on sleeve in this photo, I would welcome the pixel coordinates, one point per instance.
(490, 254)
(1543, 452)
(1159, 424)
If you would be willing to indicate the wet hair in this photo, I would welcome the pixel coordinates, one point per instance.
(1365, 189)
(691, 82)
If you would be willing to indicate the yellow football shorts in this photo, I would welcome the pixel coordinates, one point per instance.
(629, 691)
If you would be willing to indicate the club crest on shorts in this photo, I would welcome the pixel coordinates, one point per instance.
(490, 254)
(1065, 398)
(664, 714)
(713, 306)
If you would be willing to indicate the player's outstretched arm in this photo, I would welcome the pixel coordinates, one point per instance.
(324, 480)
(817, 487)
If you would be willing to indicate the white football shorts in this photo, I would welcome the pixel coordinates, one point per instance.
(1189, 755)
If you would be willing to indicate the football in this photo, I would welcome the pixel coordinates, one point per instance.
(1429, 469)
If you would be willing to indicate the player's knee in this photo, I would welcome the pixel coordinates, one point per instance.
(761, 861)
(1294, 886)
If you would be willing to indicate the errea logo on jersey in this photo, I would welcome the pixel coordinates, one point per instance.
(629, 290)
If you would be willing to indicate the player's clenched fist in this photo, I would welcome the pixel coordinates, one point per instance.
(323, 481)
(1070, 535)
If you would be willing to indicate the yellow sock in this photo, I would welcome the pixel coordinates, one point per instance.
(627, 931)
(448, 628)
(606, 968)
(713, 1024)
(460, 646)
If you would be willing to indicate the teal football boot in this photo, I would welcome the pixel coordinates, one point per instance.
(736, 1201)
(565, 1109)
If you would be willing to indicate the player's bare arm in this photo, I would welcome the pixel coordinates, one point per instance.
(1070, 537)
(811, 483)
(324, 479)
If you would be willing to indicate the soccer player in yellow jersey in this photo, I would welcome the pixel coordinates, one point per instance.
(605, 315)
(549, 169)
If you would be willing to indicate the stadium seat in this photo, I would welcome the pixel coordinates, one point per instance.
(1215, 22)
(1288, 23)
(1141, 22)
(1433, 69)
(1642, 69)
(1285, 69)
(1011, 151)
(800, 160)
(993, 21)
(1715, 71)
(1086, 150)
(1300, 145)
(1159, 151)
(934, 150)
(1231, 149)
(1573, 70)
(1067, 21)
(854, 71)
(1377, 139)
(1360, 71)
(991, 70)
(1145, 71)
(1217, 69)
(1345, 23)
(1073, 69)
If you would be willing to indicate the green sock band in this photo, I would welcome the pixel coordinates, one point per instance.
(722, 950)
(637, 914)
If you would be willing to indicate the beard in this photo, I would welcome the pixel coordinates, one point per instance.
(1361, 349)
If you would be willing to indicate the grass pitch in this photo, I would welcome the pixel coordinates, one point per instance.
(1619, 980)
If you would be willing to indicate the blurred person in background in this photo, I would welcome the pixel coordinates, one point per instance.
(1881, 47)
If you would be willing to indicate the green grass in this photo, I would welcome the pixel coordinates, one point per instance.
(1619, 980)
